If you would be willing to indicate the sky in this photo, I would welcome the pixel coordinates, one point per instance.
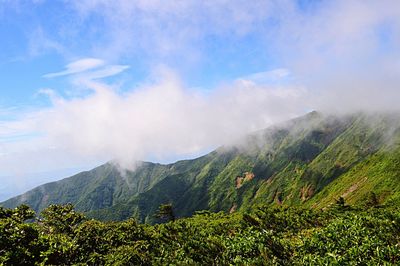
(83, 82)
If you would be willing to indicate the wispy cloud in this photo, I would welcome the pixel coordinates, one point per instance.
(76, 67)
(268, 77)
(40, 43)
(161, 30)
(85, 72)
(106, 71)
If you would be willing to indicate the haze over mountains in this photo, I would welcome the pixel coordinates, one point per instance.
(309, 161)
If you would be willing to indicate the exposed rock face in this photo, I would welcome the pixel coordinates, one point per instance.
(306, 192)
(240, 180)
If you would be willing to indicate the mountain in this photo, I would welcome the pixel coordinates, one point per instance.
(312, 161)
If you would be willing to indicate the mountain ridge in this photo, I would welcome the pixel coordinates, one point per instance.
(311, 160)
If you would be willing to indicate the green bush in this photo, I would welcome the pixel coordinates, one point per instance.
(264, 236)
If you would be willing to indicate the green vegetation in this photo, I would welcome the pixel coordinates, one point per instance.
(165, 212)
(340, 235)
(310, 161)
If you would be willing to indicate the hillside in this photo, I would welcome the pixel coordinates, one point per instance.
(311, 161)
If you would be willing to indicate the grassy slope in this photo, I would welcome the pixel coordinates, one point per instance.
(379, 174)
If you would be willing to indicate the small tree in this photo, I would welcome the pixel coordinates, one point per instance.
(21, 213)
(341, 204)
(372, 200)
(165, 212)
(19, 240)
(61, 218)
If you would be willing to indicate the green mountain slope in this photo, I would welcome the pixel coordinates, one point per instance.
(311, 160)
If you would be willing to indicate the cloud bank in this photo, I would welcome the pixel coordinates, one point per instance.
(162, 119)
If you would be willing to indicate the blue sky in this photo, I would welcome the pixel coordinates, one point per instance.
(42, 36)
(83, 82)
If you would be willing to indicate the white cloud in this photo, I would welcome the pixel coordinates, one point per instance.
(337, 35)
(268, 77)
(106, 71)
(78, 66)
(162, 119)
(84, 72)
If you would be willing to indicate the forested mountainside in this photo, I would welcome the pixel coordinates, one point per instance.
(310, 161)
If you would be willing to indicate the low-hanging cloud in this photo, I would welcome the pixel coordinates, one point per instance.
(164, 118)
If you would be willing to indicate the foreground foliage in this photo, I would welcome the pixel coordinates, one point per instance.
(265, 236)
